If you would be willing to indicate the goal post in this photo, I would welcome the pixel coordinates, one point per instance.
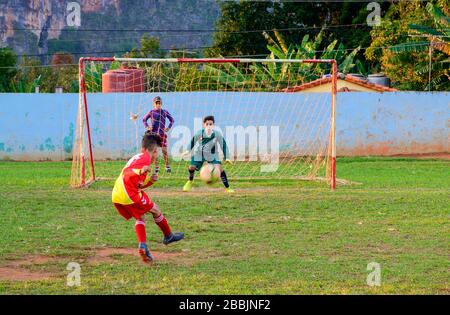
(274, 127)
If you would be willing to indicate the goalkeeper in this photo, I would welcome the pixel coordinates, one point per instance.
(207, 140)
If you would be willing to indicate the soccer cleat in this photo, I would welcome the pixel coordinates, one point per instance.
(173, 237)
(144, 252)
(229, 190)
(168, 169)
(187, 186)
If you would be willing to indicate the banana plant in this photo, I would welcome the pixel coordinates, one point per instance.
(93, 77)
(22, 86)
(272, 76)
(436, 38)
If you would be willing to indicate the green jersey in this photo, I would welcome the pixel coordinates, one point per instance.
(207, 148)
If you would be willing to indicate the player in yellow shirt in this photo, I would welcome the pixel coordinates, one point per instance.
(132, 202)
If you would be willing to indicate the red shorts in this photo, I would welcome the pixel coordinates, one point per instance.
(135, 210)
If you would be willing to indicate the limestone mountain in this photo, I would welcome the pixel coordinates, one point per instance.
(108, 27)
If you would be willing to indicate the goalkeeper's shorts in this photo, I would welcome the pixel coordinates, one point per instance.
(198, 164)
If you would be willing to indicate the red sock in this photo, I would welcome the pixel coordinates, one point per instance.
(163, 225)
(140, 231)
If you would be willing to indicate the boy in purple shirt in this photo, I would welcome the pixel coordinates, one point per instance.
(158, 117)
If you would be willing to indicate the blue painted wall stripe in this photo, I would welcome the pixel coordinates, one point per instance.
(42, 126)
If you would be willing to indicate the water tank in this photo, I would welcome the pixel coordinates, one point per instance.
(137, 79)
(380, 79)
(123, 80)
(114, 81)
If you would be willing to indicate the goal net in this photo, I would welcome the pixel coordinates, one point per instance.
(276, 116)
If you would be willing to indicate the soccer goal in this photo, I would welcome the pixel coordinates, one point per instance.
(277, 116)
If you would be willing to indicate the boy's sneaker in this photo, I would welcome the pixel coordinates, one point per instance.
(168, 169)
(187, 186)
(144, 252)
(229, 190)
(156, 169)
(173, 237)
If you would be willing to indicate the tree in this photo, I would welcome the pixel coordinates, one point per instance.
(64, 72)
(241, 24)
(30, 74)
(403, 55)
(8, 63)
(150, 48)
(239, 16)
(436, 38)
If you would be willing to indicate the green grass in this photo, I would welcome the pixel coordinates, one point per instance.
(281, 237)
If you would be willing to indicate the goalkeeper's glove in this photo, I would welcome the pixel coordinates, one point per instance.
(229, 161)
(185, 153)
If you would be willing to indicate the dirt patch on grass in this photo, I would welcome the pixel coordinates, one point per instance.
(33, 260)
(25, 269)
(111, 255)
(16, 270)
(114, 255)
(20, 274)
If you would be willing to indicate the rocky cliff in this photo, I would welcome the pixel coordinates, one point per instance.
(39, 27)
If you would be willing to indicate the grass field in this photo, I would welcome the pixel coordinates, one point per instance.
(286, 237)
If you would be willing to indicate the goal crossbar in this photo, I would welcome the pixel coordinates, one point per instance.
(207, 60)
